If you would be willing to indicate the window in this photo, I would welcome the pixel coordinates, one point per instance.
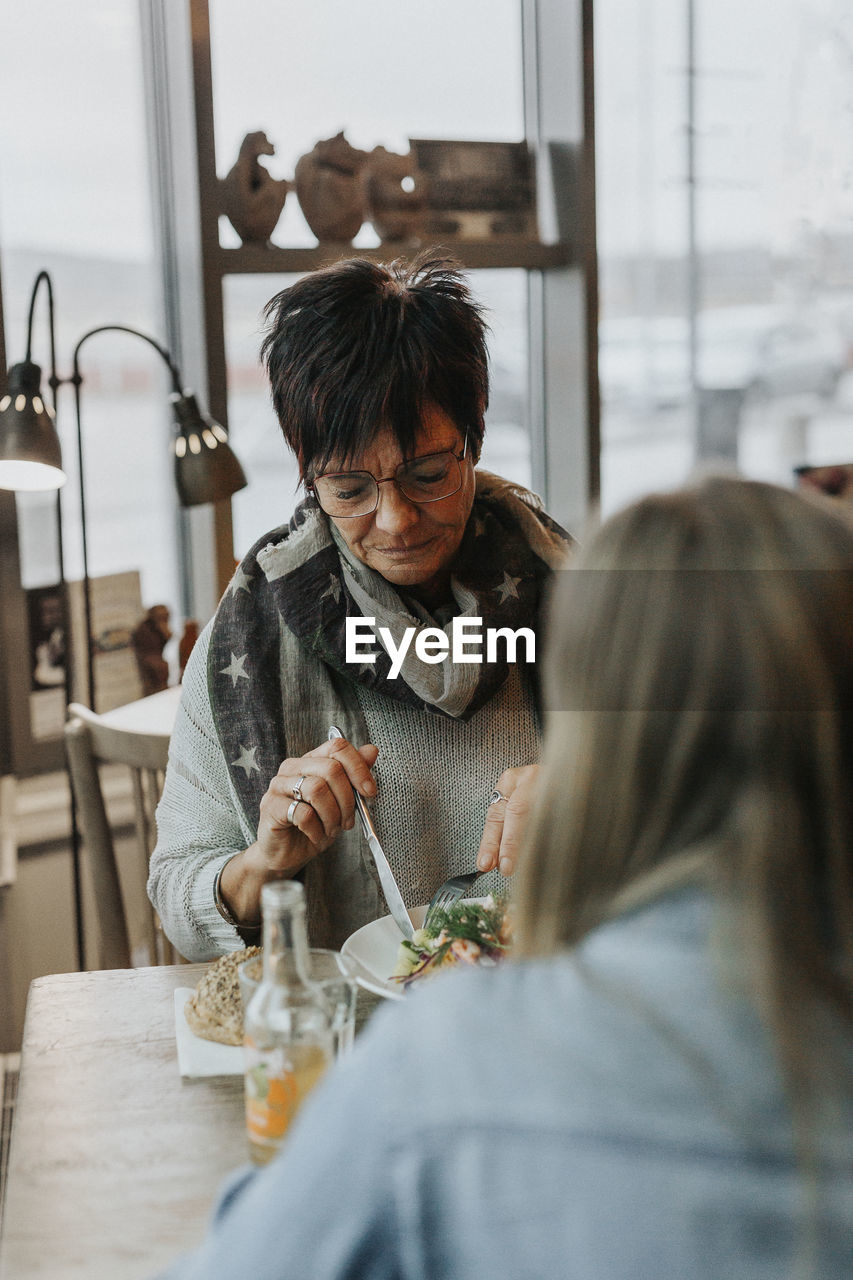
(75, 200)
(763, 284)
(392, 71)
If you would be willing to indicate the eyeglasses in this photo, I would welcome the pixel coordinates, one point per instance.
(346, 494)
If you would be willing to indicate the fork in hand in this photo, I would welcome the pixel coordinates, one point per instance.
(449, 892)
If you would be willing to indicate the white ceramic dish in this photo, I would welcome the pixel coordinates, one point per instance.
(370, 954)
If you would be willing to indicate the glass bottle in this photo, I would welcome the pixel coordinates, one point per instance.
(288, 1041)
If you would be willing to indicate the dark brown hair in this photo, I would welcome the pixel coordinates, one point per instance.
(360, 346)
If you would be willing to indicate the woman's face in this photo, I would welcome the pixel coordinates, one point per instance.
(412, 545)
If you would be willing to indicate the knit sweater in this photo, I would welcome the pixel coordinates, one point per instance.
(433, 775)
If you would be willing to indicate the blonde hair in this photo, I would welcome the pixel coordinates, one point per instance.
(699, 721)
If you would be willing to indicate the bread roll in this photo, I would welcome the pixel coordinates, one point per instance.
(214, 1011)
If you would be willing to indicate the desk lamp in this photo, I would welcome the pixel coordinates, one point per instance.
(206, 470)
(30, 453)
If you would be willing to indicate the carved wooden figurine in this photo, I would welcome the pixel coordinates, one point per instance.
(396, 194)
(251, 198)
(187, 643)
(330, 189)
(149, 641)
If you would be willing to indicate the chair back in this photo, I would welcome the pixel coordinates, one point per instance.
(128, 930)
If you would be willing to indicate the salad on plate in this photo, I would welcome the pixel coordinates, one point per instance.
(468, 932)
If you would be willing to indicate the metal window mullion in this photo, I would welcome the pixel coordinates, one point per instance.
(177, 81)
(562, 386)
(156, 85)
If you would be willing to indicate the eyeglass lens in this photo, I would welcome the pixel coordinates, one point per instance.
(356, 493)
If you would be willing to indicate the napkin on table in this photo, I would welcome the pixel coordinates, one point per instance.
(197, 1057)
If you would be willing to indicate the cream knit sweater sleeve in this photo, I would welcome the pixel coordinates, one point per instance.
(198, 825)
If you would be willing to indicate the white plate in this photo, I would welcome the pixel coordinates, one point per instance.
(370, 954)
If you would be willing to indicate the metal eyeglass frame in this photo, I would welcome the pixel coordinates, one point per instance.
(418, 502)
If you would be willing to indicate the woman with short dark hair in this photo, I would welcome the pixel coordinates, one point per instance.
(660, 1084)
(379, 378)
(363, 345)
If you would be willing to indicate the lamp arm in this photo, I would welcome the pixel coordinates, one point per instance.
(77, 380)
(137, 333)
(43, 277)
(53, 383)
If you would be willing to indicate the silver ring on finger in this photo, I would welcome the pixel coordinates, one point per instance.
(496, 796)
(291, 810)
(297, 790)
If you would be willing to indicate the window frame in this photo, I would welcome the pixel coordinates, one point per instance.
(562, 391)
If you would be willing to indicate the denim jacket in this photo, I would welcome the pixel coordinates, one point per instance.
(611, 1115)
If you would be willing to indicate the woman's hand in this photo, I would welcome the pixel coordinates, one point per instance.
(292, 831)
(506, 820)
(326, 777)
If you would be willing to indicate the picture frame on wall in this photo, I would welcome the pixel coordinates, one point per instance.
(47, 648)
(476, 190)
(116, 609)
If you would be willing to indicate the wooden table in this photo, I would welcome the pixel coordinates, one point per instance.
(115, 1160)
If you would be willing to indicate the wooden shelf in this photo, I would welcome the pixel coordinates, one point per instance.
(528, 255)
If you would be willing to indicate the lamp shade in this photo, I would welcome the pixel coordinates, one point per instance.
(30, 453)
(206, 470)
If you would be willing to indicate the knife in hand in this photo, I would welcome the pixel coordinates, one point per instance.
(393, 897)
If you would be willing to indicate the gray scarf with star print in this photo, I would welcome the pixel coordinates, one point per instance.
(302, 577)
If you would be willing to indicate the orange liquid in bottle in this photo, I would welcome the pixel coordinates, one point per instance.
(278, 1078)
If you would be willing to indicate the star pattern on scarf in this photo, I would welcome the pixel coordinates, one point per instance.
(507, 588)
(333, 589)
(240, 582)
(236, 668)
(246, 760)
